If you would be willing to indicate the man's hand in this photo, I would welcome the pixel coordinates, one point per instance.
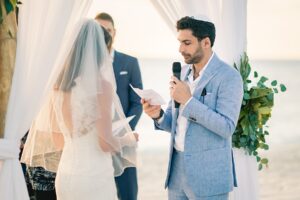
(151, 110)
(179, 91)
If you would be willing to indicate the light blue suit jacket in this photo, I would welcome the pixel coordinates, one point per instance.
(212, 119)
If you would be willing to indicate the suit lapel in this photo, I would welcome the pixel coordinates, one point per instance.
(208, 74)
(116, 64)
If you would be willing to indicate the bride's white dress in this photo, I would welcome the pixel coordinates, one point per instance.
(84, 171)
(81, 115)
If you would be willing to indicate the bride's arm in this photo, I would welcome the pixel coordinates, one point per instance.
(107, 141)
(104, 124)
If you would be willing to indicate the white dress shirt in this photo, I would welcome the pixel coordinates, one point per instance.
(182, 122)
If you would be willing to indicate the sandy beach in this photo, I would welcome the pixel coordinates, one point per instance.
(280, 181)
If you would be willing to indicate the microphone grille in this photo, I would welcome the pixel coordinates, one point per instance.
(176, 67)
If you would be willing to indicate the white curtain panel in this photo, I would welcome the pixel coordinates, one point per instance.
(44, 27)
(247, 176)
(230, 19)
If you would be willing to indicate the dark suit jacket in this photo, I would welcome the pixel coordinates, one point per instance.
(127, 71)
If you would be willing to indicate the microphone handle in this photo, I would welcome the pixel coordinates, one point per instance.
(177, 104)
(177, 75)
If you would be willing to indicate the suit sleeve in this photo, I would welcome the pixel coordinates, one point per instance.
(222, 121)
(135, 107)
(166, 124)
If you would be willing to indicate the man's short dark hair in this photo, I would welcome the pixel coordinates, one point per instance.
(105, 16)
(200, 29)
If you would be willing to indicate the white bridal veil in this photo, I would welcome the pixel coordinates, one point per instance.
(82, 101)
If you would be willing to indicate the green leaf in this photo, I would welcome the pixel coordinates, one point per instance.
(266, 132)
(275, 90)
(262, 138)
(261, 85)
(264, 110)
(270, 97)
(252, 136)
(9, 6)
(13, 2)
(266, 147)
(260, 145)
(263, 79)
(264, 161)
(243, 140)
(254, 93)
(246, 96)
(274, 83)
(282, 88)
(258, 158)
(255, 74)
(260, 167)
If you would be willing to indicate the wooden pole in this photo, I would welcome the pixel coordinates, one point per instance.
(8, 32)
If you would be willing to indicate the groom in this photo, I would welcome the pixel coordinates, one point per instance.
(210, 95)
(127, 71)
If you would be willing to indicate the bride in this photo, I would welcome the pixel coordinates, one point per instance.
(81, 131)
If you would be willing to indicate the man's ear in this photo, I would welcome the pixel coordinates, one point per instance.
(206, 42)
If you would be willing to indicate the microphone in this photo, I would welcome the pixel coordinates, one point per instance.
(176, 72)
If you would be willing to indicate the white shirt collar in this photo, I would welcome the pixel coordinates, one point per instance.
(191, 75)
(112, 53)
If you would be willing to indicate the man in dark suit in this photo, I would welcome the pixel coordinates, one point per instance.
(127, 71)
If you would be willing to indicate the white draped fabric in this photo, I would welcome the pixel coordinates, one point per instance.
(44, 26)
(230, 19)
(246, 168)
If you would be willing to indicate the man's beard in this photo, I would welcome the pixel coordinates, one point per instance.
(196, 57)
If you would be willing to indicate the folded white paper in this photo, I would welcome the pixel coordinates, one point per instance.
(149, 95)
(117, 126)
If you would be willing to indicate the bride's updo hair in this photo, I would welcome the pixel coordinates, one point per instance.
(93, 35)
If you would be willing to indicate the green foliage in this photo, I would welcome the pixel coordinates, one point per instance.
(256, 109)
(8, 6)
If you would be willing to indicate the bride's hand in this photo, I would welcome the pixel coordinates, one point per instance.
(129, 139)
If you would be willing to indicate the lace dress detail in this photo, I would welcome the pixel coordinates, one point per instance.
(85, 171)
(86, 111)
